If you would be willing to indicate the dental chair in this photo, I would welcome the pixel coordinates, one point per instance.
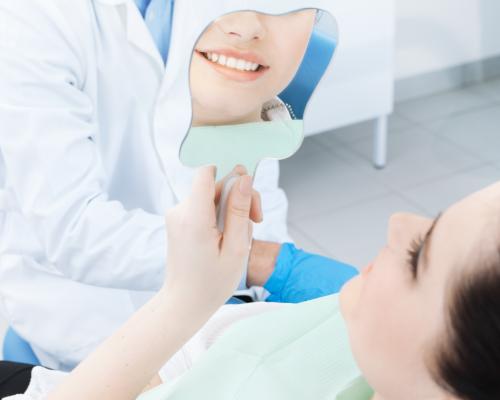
(316, 59)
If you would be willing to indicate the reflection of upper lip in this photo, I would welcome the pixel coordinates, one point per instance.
(242, 55)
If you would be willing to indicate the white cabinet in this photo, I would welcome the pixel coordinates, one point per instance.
(359, 84)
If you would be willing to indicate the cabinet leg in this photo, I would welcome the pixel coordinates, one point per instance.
(380, 142)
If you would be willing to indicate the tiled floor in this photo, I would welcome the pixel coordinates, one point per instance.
(441, 148)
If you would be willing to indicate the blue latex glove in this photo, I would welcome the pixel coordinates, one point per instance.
(300, 276)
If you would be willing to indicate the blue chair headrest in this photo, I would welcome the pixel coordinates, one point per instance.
(316, 60)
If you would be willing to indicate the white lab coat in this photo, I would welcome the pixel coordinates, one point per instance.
(90, 128)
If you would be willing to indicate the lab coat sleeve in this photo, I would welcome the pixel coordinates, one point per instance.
(274, 204)
(47, 137)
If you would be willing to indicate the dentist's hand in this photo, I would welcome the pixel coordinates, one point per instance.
(299, 276)
(204, 266)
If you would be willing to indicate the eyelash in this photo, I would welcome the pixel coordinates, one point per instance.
(414, 254)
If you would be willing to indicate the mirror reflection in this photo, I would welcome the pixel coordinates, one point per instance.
(251, 78)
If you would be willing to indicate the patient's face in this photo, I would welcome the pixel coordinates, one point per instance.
(243, 60)
(397, 308)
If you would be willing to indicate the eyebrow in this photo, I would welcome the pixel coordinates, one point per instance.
(428, 240)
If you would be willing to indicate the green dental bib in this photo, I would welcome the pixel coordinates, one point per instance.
(246, 144)
(300, 352)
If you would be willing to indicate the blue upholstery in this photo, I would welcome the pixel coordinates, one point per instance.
(316, 60)
(18, 350)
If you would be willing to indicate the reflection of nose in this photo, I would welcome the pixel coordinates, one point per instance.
(243, 26)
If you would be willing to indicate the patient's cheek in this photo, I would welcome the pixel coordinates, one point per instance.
(349, 297)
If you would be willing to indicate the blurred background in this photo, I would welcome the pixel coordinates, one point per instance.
(415, 86)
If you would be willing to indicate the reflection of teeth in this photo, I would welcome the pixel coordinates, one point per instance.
(231, 62)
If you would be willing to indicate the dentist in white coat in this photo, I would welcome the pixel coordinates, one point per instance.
(91, 122)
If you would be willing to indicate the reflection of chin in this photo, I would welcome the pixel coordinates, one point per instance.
(228, 109)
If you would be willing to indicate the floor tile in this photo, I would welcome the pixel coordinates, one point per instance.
(489, 89)
(477, 132)
(304, 242)
(348, 134)
(435, 197)
(399, 123)
(440, 105)
(308, 148)
(355, 234)
(416, 156)
(361, 131)
(325, 180)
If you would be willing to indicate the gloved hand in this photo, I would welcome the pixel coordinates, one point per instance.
(300, 276)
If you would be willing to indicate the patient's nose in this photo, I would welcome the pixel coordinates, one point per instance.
(406, 227)
(243, 26)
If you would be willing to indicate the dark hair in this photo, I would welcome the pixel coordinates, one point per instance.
(467, 363)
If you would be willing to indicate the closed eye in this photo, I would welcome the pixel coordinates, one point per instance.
(420, 246)
(414, 252)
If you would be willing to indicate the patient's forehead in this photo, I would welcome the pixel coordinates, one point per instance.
(470, 228)
(478, 209)
(489, 196)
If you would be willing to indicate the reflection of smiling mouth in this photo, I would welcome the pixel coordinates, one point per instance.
(234, 67)
(232, 62)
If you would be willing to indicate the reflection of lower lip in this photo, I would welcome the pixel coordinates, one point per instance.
(234, 74)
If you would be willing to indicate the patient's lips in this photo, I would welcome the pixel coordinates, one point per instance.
(367, 269)
(235, 65)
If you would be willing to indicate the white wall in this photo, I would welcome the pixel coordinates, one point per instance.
(433, 35)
